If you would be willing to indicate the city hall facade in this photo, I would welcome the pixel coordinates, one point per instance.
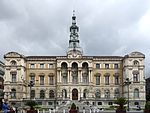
(53, 80)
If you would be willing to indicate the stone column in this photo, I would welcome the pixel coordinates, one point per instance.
(60, 76)
(68, 76)
(81, 77)
(89, 76)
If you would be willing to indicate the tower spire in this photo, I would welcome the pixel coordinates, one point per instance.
(74, 41)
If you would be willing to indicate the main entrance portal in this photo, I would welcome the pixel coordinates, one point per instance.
(74, 94)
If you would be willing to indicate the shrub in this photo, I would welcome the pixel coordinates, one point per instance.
(147, 105)
(31, 103)
(73, 106)
(121, 102)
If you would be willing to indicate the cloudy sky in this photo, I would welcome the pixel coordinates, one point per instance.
(107, 27)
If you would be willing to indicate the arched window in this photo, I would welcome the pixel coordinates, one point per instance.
(51, 79)
(64, 93)
(13, 63)
(64, 72)
(116, 78)
(51, 94)
(98, 93)
(107, 93)
(42, 94)
(85, 72)
(13, 93)
(85, 93)
(107, 78)
(136, 93)
(135, 63)
(97, 78)
(32, 94)
(42, 79)
(74, 70)
(116, 93)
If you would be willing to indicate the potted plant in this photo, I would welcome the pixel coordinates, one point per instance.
(147, 107)
(73, 108)
(121, 102)
(31, 104)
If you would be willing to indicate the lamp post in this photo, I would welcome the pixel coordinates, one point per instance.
(127, 82)
(31, 84)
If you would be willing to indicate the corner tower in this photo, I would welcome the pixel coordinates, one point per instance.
(74, 50)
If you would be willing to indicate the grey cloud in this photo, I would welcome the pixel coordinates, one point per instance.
(41, 27)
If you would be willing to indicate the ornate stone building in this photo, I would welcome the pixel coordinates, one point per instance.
(97, 80)
(1, 82)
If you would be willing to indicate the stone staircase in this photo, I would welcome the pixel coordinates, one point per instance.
(66, 106)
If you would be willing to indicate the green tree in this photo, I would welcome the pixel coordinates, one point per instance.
(121, 102)
(31, 103)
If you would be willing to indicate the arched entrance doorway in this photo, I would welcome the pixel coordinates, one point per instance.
(74, 94)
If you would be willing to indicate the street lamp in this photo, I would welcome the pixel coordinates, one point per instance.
(31, 84)
(127, 82)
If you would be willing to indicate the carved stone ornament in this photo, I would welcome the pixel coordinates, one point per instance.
(136, 54)
(13, 54)
(141, 87)
(135, 72)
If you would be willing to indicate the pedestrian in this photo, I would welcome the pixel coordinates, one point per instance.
(11, 110)
(5, 107)
(77, 109)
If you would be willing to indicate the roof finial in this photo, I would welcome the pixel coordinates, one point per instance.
(73, 12)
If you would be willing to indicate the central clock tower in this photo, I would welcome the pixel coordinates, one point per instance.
(74, 50)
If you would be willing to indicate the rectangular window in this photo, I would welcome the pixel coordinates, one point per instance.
(50, 103)
(41, 65)
(106, 66)
(32, 65)
(13, 77)
(97, 66)
(110, 103)
(97, 80)
(99, 103)
(116, 66)
(39, 103)
(50, 65)
(41, 80)
(51, 80)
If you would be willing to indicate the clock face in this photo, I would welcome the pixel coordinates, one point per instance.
(75, 54)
